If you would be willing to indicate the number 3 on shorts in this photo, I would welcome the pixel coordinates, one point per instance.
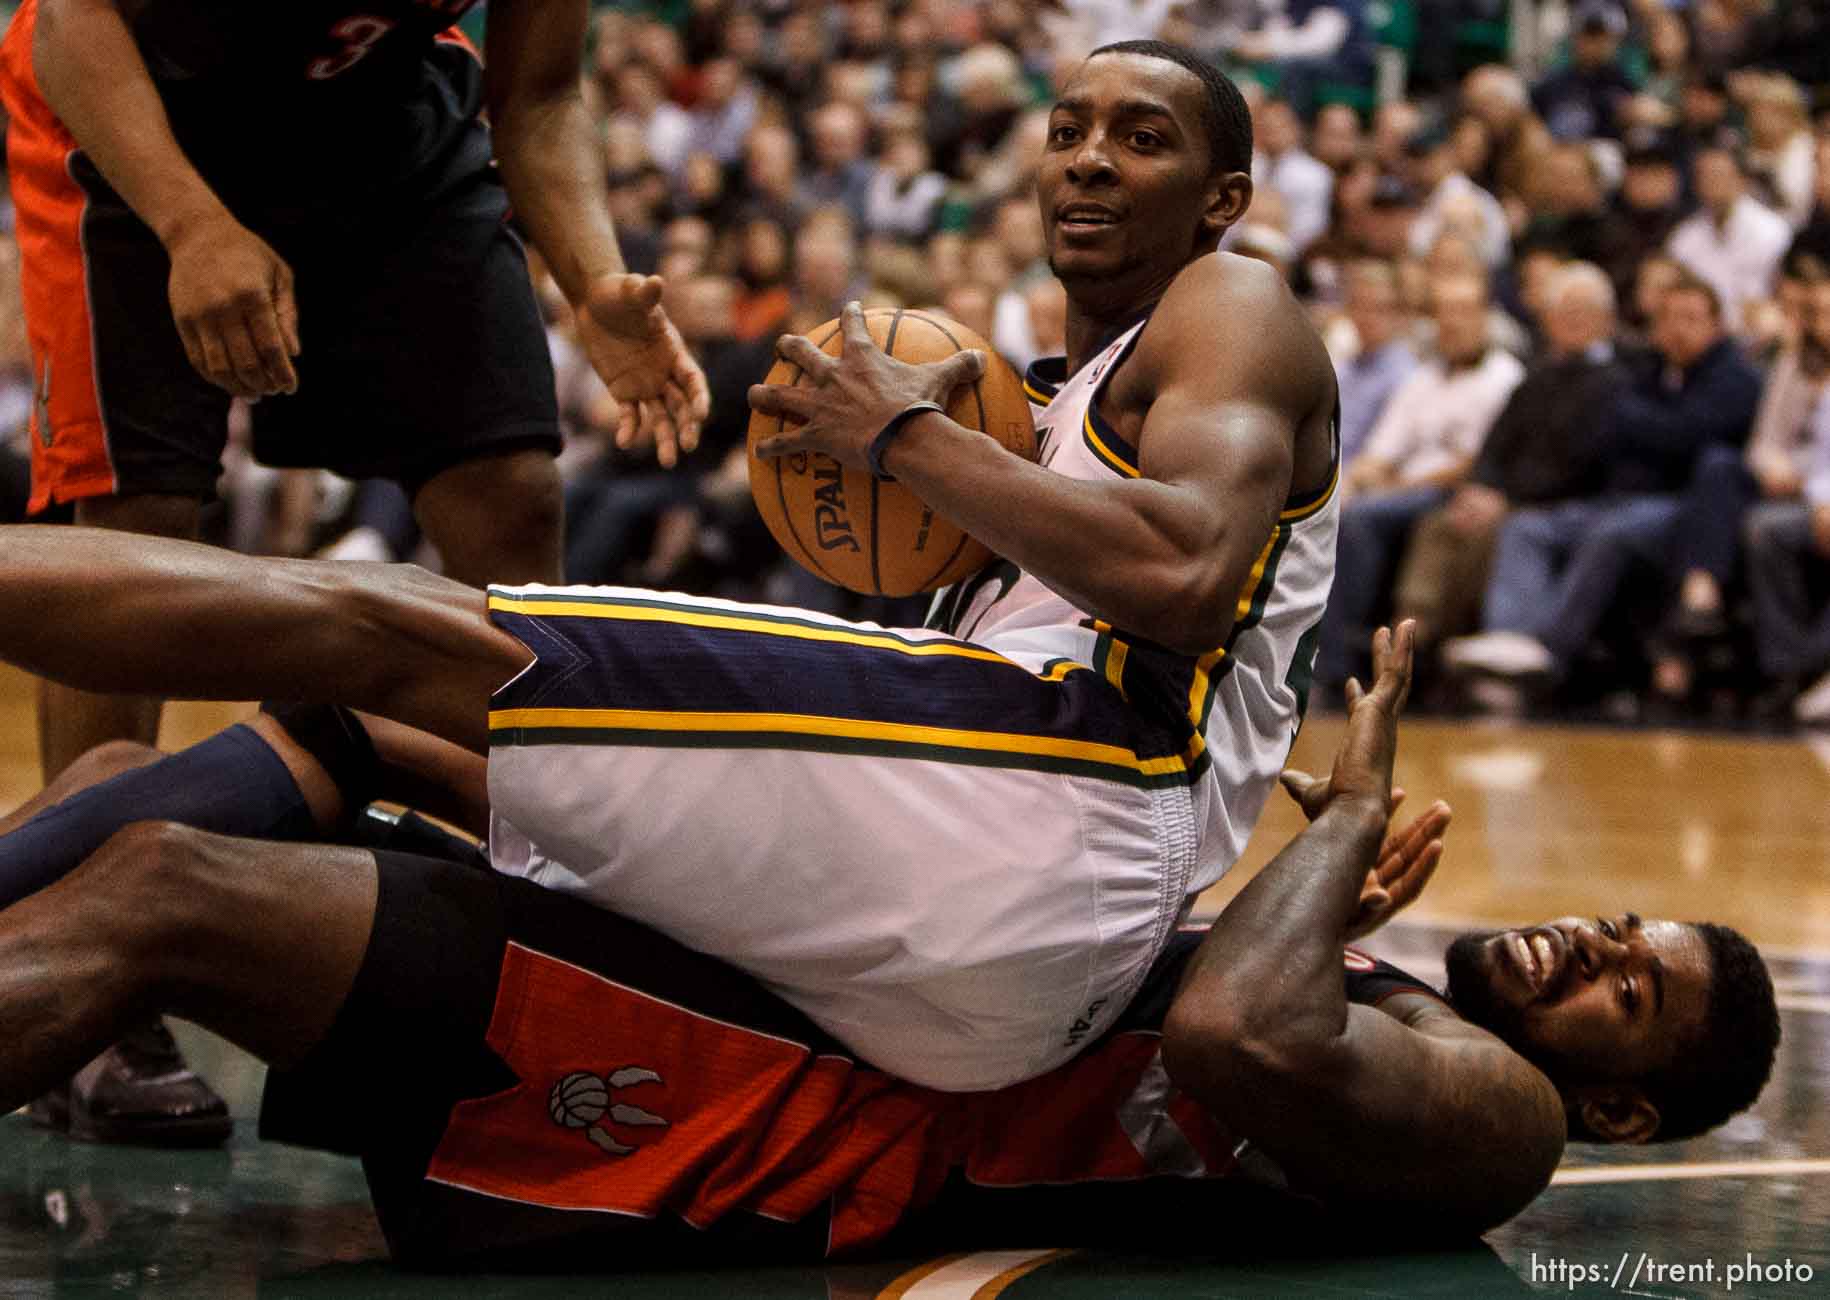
(359, 33)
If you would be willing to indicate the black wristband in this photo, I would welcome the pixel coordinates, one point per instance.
(887, 435)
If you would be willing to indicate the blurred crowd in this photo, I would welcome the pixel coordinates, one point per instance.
(1572, 260)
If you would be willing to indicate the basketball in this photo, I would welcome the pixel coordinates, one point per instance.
(851, 528)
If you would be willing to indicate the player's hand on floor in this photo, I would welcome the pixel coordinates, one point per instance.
(232, 301)
(659, 389)
(848, 399)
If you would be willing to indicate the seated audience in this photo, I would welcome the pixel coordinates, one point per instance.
(1558, 569)
(1419, 451)
(1542, 449)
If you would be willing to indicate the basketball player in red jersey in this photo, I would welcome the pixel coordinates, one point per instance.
(530, 1079)
(297, 204)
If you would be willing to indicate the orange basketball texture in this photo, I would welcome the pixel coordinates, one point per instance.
(851, 528)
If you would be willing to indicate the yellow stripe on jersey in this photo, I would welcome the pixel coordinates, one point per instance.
(1036, 395)
(1198, 689)
(1104, 452)
(1115, 665)
(805, 724)
(735, 621)
(1060, 668)
(1255, 578)
(1304, 511)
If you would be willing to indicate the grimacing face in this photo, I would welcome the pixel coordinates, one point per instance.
(1125, 186)
(1589, 1000)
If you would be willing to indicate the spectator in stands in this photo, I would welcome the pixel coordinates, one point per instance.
(1541, 449)
(1496, 94)
(1646, 209)
(666, 127)
(1281, 163)
(763, 296)
(1420, 450)
(1336, 140)
(1569, 205)
(1728, 485)
(1321, 269)
(1788, 564)
(1815, 237)
(1781, 153)
(1310, 43)
(1558, 569)
(1381, 358)
(1395, 122)
(772, 175)
(1704, 110)
(1733, 242)
(842, 171)
(825, 269)
(905, 193)
(794, 69)
(1450, 196)
(1582, 99)
(725, 113)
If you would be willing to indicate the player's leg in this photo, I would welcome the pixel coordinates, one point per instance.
(497, 518)
(184, 620)
(164, 918)
(98, 765)
(431, 368)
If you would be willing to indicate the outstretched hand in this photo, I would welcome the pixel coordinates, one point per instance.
(1363, 764)
(660, 392)
(845, 401)
(1363, 768)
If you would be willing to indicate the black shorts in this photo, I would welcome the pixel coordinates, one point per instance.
(422, 343)
(413, 1043)
(720, 1118)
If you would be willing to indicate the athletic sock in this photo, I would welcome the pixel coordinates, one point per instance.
(233, 784)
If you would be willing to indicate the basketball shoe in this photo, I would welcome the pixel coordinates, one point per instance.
(139, 1091)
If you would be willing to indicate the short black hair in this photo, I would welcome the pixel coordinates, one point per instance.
(1722, 1070)
(1225, 117)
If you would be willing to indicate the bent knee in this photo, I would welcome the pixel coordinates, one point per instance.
(110, 759)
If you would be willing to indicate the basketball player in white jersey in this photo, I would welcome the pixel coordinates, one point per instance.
(958, 850)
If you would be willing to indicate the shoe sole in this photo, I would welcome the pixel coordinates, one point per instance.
(54, 1112)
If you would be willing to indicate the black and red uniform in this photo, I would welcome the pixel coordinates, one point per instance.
(521, 1070)
(350, 140)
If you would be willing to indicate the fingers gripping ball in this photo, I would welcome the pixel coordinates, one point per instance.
(849, 527)
(578, 1100)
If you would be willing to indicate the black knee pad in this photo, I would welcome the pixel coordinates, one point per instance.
(336, 738)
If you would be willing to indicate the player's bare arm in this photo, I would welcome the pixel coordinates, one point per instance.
(547, 148)
(204, 623)
(1405, 1111)
(1214, 411)
(231, 294)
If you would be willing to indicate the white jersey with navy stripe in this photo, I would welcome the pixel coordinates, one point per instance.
(1239, 706)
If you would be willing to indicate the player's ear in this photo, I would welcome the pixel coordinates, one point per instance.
(1616, 1113)
(1229, 194)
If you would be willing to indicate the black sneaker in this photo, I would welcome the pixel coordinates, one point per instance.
(138, 1092)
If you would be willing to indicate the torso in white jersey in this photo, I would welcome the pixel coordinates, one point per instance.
(1238, 706)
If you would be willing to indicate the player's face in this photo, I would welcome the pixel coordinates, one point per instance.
(1587, 999)
(1124, 184)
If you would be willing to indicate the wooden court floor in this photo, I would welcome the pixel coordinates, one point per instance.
(1549, 821)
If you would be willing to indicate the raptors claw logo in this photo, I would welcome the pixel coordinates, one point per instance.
(582, 1100)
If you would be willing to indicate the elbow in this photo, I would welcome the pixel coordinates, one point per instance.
(1193, 615)
(1220, 1055)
